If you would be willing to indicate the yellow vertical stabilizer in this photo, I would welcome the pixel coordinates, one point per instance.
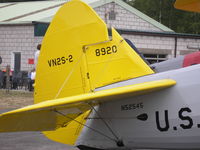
(61, 69)
(77, 56)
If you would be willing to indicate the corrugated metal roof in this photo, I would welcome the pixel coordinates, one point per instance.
(24, 8)
(2, 5)
(21, 11)
(43, 11)
(39, 16)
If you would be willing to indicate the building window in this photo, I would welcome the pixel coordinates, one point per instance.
(112, 15)
(40, 29)
(155, 58)
(16, 61)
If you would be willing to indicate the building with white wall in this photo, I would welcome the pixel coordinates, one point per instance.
(23, 24)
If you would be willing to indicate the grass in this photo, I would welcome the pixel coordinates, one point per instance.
(14, 93)
(15, 99)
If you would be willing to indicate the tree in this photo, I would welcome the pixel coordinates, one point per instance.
(164, 12)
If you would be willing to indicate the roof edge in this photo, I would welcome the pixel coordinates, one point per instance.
(143, 16)
(100, 3)
(16, 23)
(163, 34)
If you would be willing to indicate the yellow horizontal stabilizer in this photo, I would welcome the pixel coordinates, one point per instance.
(189, 5)
(54, 114)
(69, 132)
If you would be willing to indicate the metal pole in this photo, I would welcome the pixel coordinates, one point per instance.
(160, 14)
(175, 47)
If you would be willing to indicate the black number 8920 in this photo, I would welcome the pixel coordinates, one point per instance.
(105, 51)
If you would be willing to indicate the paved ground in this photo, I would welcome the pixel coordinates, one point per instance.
(29, 141)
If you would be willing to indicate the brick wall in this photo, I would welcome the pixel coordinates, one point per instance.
(17, 38)
(20, 38)
(124, 18)
(163, 45)
(184, 43)
(152, 44)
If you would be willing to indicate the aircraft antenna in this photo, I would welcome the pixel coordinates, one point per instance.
(60, 113)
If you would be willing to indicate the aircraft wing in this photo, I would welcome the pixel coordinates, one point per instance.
(189, 5)
(44, 116)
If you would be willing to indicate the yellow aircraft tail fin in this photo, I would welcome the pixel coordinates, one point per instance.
(61, 69)
(78, 56)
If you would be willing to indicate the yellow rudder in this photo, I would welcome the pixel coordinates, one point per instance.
(114, 61)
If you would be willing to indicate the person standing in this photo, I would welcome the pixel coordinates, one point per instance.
(33, 72)
(1, 78)
(0, 59)
(37, 53)
(32, 79)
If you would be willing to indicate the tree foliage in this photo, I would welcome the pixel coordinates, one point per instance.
(164, 12)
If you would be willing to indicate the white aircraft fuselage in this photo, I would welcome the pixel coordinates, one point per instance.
(168, 119)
